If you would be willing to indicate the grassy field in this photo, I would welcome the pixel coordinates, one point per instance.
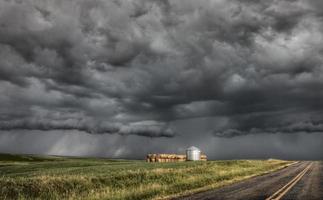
(32, 177)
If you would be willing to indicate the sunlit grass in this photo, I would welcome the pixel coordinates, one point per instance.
(29, 177)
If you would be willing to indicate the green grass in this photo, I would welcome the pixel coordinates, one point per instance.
(36, 177)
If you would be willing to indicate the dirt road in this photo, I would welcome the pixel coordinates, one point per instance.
(300, 181)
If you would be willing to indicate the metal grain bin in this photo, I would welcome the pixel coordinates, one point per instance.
(193, 153)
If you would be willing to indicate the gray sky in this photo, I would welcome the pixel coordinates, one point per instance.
(239, 79)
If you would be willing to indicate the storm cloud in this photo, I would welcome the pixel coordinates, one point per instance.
(148, 68)
(143, 128)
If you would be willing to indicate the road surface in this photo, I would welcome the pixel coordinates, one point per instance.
(300, 181)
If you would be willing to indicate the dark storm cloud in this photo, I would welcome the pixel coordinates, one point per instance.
(146, 129)
(255, 64)
(302, 127)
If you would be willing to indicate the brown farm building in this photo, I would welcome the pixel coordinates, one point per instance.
(170, 158)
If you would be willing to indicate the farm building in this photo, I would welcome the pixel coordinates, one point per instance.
(192, 154)
(165, 158)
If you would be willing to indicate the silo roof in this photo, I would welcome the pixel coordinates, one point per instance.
(193, 148)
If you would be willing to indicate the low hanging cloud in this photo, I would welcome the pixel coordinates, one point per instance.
(300, 127)
(146, 129)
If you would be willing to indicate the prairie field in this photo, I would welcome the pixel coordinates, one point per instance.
(50, 177)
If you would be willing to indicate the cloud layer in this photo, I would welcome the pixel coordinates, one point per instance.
(137, 67)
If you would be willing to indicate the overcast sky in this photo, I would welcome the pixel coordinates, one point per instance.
(237, 78)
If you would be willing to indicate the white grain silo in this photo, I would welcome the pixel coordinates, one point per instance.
(193, 153)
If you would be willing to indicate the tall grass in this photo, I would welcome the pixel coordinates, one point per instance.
(70, 178)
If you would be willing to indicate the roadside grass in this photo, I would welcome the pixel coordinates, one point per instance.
(36, 177)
